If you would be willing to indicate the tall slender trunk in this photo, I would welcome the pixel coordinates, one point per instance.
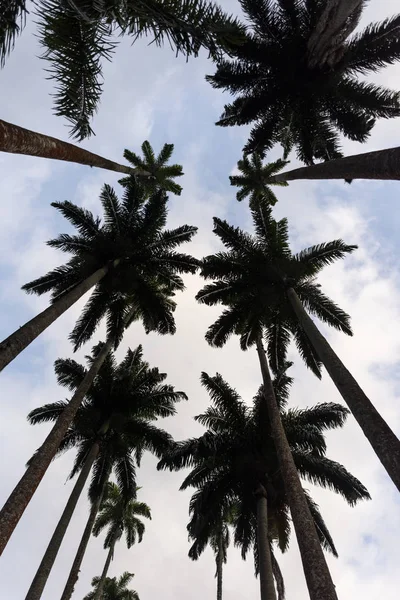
(22, 337)
(377, 431)
(318, 578)
(14, 507)
(43, 572)
(220, 566)
(338, 19)
(19, 140)
(100, 587)
(381, 164)
(267, 587)
(80, 553)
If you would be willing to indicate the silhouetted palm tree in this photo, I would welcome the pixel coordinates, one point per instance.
(114, 589)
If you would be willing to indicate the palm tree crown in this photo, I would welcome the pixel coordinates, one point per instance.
(251, 278)
(117, 413)
(254, 178)
(145, 267)
(78, 36)
(120, 515)
(114, 589)
(290, 102)
(237, 454)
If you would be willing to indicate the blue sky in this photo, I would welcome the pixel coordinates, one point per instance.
(150, 94)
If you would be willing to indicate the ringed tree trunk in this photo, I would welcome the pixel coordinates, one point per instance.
(267, 587)
(318, 578)
(220, 562)
(18, 140)
(381, 164)
(338, 19)
(76, 565)
(15, 506)
(99, 591)
(43, 572)
(22, 337)
(382, 439)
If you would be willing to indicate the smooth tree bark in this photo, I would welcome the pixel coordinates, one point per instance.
(22, 337)
(43, 572)
(99, 590)
(267, 586)
(381, 164)
(220, 567)
(20, 497)
(338, 19)
(382, 439)
(318, 578)
(80, 553)
(18, 140)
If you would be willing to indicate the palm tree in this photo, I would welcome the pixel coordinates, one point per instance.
(217, 536)
(255, 177)
(130, 245)
(114, 589)
(380, 164)
(142, 289)
(78, 36)
(236, 462)
(301, 106)
(114, 420)
(267, 290)
(119, 513)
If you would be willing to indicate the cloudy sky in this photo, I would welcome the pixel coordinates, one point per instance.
(150, 94)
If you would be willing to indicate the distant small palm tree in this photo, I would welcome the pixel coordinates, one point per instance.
(254, 179)
(119, 513)
(114, 589)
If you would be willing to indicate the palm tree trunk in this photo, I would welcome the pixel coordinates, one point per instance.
(80, 553)
(22, 337)
(220, 563)
(100, 587)
(267, 587)
(18, 140)
(43, 572)
(319, 581)
(377, 431)
(381, 164)
(14, 507)
(338, 19)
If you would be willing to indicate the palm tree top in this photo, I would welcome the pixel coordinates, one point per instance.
(236, 454)
(114, 588)
(78, 37)
(251, 278)
(119, 513)
(118, 412)
(289, 101)
(132, 234)
(253, 179)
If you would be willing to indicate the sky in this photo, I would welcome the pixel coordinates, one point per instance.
(151, 94)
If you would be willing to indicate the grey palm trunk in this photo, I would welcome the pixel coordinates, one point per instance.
(382, 439)
(19, 140)
(43, 572)
(267, 586)
(381, 164)
(22, 337)
(318, 578)
(80, 553)
(100, 587)
(15, 506)
(220, 566)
